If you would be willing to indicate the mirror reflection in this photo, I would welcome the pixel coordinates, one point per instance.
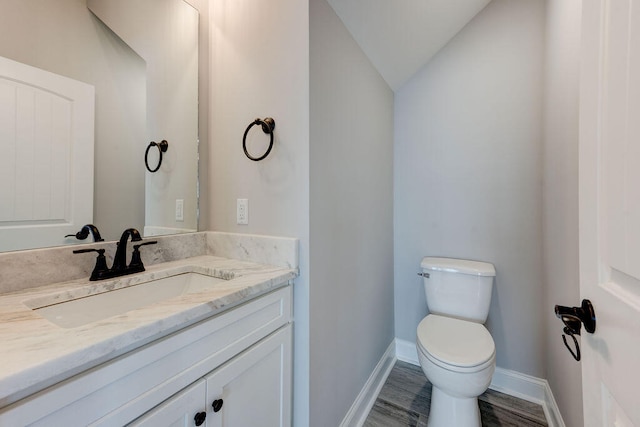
(141, 59)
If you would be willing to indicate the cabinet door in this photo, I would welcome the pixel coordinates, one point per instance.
(255, 386)
(178, 411)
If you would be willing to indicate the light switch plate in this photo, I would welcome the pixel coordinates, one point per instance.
(179, 209)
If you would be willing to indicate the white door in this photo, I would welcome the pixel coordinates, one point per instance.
(46, 156)
(610, 210)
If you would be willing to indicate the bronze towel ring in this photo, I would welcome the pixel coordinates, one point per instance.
(268, 125)
(163, 146)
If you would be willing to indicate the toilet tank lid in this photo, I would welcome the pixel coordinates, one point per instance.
(462, 266)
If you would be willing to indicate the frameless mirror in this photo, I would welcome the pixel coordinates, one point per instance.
(141, 58)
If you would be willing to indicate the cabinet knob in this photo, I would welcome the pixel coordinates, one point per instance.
(200, 417)
(217, 405)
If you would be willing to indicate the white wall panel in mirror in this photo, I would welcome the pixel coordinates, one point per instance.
(165, 34)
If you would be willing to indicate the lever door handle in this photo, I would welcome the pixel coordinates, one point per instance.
(574, 317)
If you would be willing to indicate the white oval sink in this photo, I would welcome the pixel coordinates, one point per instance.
(81, 311)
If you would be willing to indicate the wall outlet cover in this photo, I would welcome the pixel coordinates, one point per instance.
(242, 211)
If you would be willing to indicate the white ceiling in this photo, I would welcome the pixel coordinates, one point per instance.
(400, 36)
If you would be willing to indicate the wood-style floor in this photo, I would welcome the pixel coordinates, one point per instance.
(406, 395)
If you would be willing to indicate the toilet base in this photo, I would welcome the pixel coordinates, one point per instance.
(449, 411)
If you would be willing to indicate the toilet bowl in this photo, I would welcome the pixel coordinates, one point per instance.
(456, 352)
(458, 358)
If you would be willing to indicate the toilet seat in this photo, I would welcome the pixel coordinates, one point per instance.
(454, 344)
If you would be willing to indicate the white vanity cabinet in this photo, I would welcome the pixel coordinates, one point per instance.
(255, 387)
(180, 410)
(242, 356)
(252, 389)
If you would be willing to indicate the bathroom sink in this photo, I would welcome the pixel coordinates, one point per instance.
(84, 310)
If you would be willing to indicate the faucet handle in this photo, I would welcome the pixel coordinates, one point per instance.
(153, 242)
(83, 251)
(100, 271)
(136, 264)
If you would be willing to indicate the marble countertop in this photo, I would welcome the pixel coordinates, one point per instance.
(35, 353)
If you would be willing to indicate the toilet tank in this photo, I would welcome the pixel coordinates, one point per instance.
(458, 288)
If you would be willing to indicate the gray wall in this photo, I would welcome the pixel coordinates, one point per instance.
(560, 198)
(468, 173)
(259, 68)
(351, 209)
(343, 297)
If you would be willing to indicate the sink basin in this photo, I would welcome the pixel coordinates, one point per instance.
(84, 310)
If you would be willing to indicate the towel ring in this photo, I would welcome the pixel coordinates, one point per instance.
(163, 146)
(268, 125)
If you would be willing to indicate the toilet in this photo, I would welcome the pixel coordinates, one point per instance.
(456, 351)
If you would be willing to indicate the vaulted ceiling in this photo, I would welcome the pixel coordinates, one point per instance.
(400, 36)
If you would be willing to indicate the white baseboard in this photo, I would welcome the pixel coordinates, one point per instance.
(513, 383)
(406, 351)
(358, 412)
(529, 388)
